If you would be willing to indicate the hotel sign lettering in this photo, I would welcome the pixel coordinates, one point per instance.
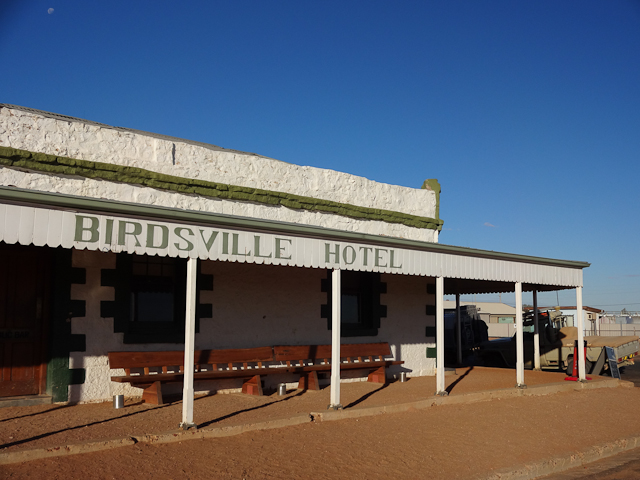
(40, 226)
(162, 238)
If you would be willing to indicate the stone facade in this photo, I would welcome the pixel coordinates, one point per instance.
(252, 305)
(270, 305)
(37, 132)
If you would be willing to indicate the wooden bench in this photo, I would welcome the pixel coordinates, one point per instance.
(156, 368)
(308, 360)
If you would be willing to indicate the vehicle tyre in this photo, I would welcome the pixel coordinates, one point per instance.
(587, 365)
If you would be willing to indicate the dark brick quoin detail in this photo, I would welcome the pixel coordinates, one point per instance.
(108, 277)
(107, 308)
(62, 341)
(78, 276)
(78, 343)
(205, 284)
(77, 308)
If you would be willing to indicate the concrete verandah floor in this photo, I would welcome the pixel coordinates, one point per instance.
(46, 426)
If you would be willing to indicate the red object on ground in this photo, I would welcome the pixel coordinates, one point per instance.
(574, 374)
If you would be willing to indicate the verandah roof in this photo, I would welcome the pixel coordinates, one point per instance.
(39, 218)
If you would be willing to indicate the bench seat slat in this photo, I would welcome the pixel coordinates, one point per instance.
(220, 374)
(316, 352)
(251, 363)
(348, 366)
(202, 375)
(201, 357)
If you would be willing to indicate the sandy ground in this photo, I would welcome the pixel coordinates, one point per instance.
(449, 441)
(624, 466)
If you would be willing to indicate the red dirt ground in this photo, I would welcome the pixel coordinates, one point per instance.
(449, 441)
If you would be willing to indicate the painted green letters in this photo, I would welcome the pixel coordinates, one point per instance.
(328, 253)
(349, 254)
(178, 231)
(235, 246)
(164, 240)
(122, 231)
(391, 257)
(256, 247)
(212, 238)
(365, 255)
(109, 236)
(94, 234)
(225, 243)
(379, 252)
(280, 249)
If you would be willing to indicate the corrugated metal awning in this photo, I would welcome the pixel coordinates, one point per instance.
(53, 220)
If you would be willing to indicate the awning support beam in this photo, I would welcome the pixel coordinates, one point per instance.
(536, 333)
(440, 384)
(458, 330)
(582, 374)
(336, 322)
(189, 344)
(519, 339)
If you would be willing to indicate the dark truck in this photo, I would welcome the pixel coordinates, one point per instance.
(557, 346)
(473, 331)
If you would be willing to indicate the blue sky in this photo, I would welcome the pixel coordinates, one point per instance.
(528, 113)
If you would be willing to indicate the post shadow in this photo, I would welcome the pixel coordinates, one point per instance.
(451, 387)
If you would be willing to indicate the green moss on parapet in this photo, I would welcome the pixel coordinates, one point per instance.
(52, 164)
(433, 185)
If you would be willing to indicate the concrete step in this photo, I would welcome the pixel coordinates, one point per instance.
(25, 400)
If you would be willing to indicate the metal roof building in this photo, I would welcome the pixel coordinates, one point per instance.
(94, 198)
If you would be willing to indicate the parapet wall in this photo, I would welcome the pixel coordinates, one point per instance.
(35, 131)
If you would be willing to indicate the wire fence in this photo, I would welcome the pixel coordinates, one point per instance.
(613, 330)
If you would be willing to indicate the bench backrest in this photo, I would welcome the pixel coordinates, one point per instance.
(296, 353)
(129, 360)
(280, 353)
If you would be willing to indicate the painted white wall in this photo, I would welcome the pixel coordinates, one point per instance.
(149, 196)
(75, 139)
(253, 305)
(100, 338)
(406, 322)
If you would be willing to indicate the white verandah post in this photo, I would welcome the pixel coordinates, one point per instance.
(536, 333)
(189, 343)
(458, 330)
(519, 339)
(336, 297)
(582, 375)
(440, 384)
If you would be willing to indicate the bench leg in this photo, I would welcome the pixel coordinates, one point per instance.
(309, 381)
(153, 394)
(253, 386)
(378, 376)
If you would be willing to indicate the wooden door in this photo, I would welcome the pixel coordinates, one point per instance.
(24, 302)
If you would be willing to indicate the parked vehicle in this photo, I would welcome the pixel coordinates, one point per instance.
(473, 332)
(557, 346)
